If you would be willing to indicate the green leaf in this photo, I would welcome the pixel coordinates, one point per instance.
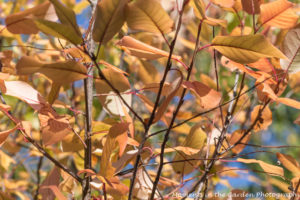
(58, 30)
(246, 49)
(109, 19)
(148, 15)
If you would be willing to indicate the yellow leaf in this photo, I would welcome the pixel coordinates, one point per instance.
(246, 49)
(109, 19)
(148, 15)
(278, 14)
(196, 139)
(268, 168)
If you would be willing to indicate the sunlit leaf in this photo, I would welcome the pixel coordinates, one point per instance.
(110, 17)
(107, 97)
(291, 48)
(290, 163)
(246, 49)
(148, 15)
(51, 180)
(24, 92)
(268, 168)
(278, 14)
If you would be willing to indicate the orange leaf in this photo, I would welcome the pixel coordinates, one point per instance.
(235, 137)
(139, 49)
(264, 120)
(278, 14)
(5, 134)
(209, 98)
(290, 163)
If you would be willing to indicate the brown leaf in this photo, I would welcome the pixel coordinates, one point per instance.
(251, 6)
(51, 181)
(110, 17)
(59, 72)
(209, 98)
(23, 22)
(54, 127)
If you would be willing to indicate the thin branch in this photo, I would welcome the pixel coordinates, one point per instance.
(181, 101)
(152, 117)
(38, 175)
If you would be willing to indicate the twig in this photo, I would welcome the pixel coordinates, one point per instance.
(181, 101)
(38, 175)
(148, 125)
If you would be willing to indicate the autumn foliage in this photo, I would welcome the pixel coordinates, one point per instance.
(148, 99)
